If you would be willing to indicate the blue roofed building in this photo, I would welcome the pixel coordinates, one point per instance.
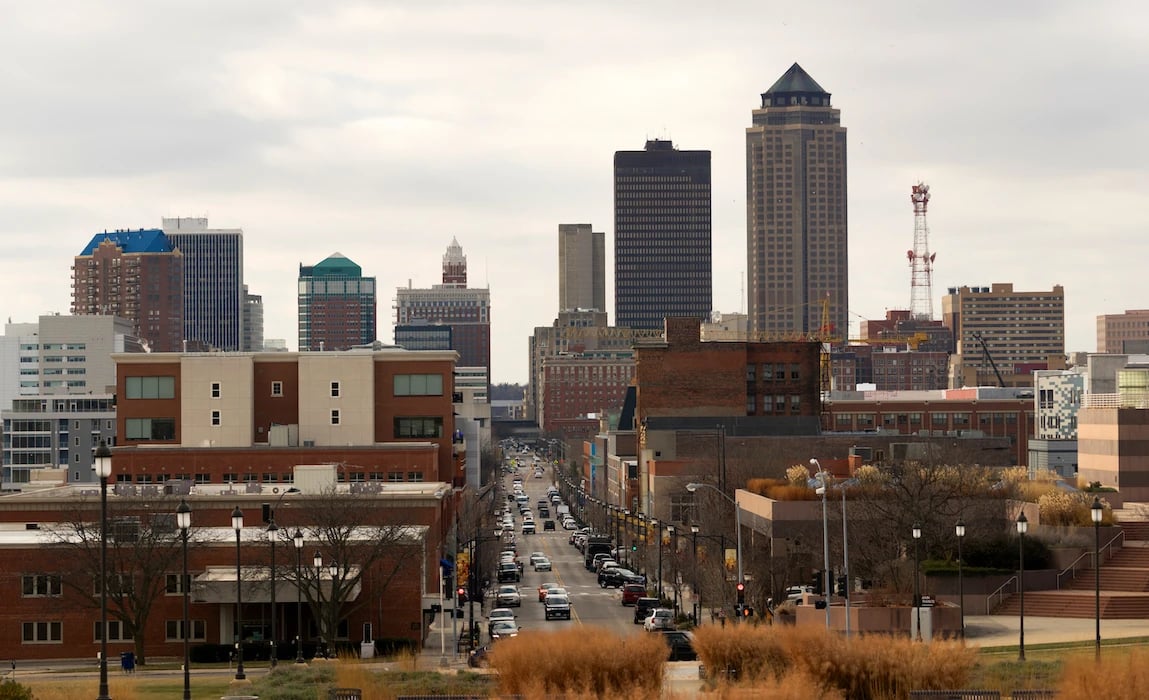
(137, 275)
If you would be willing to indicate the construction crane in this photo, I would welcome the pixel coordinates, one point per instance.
(910, 341)
(989, 358)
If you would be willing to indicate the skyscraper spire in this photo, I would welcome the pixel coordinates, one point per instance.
(454, 265)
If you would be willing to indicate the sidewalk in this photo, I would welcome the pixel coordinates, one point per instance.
(988, 631)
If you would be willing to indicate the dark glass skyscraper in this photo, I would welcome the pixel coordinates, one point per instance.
(214, 296)
(336, 305)
(662, 254)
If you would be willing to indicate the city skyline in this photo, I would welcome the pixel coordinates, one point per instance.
(355, 129)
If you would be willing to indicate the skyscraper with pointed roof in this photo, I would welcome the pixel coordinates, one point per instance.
(336, 305)
(796, 242)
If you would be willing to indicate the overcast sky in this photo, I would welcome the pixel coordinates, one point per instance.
(382, 130)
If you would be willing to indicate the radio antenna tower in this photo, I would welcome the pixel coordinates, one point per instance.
(921, 260)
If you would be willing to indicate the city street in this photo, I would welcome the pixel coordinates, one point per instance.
(590, 604)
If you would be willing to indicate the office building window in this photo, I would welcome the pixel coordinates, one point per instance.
(418, 385)
(414, 427)
(174, 630)
(43, 633)
(277, 388)
(335, 389)
(215, 390)
(42, 585)
(216, 418)
(150, 387)
(335, 416)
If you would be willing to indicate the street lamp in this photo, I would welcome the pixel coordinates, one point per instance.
(297, 540)
(317, 562)
(696, 604)
(917, 532)
(674, 561)
(103, 466)
(1095, 512)
(184, 521)
(658, 538)
(272, 530)
(1022, 526)
(959, 530)
(237, 525)
(333, 569)
(823, 476)
(821, 491)
(692, 487)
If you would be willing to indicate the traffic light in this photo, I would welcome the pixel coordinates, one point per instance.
(633, 547)
(747, 611)
(462, 594)
(741, 588)
(816, 581)
(842, 587)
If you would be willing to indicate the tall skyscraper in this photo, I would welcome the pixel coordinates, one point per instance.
(213, 283)
(582, 268)
(796, 252)
(252, 321)
(336, 305)
(662, 254)
(136, 275)
(466, 310)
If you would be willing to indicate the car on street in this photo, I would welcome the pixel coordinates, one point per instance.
(569, 524)
(508, 597)
(617, 577)
(546, 588)
(535, 556)
(544, 512)
(543, 565)
(631, 592)
(497, 615)
(556, 605)
(529, 527)
(548, 525)
(660, 619)
(503, 629)
(642, 609)
(509, 572)
(681, 645)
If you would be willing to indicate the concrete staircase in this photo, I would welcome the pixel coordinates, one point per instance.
(1124, 586)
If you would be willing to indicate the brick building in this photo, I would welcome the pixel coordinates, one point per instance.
(51, 611)
(578, 385)
(229, 418)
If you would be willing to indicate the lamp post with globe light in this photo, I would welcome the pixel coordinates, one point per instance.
(237, 525)
(959, 530)
(1095, 513)
(917, 533)
(183, 522)
(297, 540)
(1022, 528)
(102, 463)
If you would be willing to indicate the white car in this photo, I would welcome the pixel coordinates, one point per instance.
(508, 597)
(543, 564)
(535, 556)
(570, 524)
(660, 619)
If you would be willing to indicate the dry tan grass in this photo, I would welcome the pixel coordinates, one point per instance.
(752, 653)
(1116, 677)
(580, 662)
(119, 688)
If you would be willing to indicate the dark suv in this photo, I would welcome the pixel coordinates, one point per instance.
(643, 608)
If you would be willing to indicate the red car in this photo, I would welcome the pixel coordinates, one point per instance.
(631, 592)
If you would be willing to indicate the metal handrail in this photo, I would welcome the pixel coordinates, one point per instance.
(1072, 568)
(988, 609)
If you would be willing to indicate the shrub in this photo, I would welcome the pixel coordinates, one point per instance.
(581, 661)
(878, 666)
(798, 475)
(11, 690)
(747, 653)
(1116, 677)
(291, 682)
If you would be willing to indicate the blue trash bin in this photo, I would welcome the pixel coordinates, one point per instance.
(128, 661)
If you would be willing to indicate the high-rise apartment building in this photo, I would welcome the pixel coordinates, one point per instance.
(662, 227)
(252, 321)
(1123, 333)
(336, 305)
(796, 243)
(465, 309)
(137, 275)
(1003, 335)
(582, 268)
(213, 283)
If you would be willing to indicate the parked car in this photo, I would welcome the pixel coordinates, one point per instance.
(508, 597)
(556, 605)
(681, 645)
(642, 608)
(660, 619)
(617, 577)
(631, 592)
(543, 565)
(569, 524)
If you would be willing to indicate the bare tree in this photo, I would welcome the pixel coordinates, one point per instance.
(144, 550)
(370, 545)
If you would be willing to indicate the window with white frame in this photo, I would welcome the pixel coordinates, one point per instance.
(43, 632)
(216, 418)
(335, 416)
(176, 584)
(277, 388)
(173, 630)
(334, 390)
(215, 390)
(41, 585)
(117, 631)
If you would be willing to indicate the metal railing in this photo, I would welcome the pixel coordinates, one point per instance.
(1000, 593)
(1071, 570)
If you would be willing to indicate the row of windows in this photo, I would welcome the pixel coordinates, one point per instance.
(52, 632)
(267, 478)
(164, 387)
(774, 372)
(150, 387)
(165, 428)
